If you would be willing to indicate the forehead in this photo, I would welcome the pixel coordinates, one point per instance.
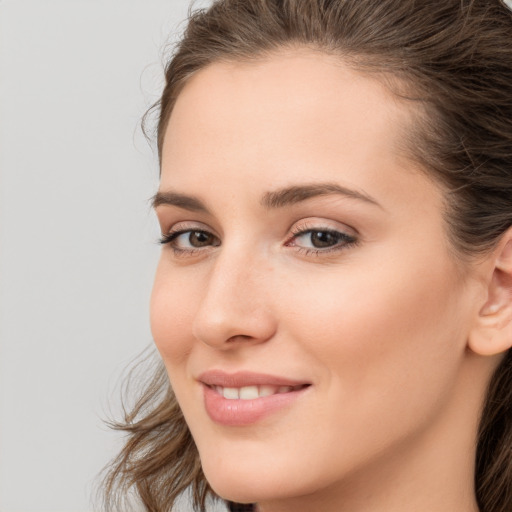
(259, 101)
(290, 116)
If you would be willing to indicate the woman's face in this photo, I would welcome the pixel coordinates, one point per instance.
(310, 314)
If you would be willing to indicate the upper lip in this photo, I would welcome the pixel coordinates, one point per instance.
(245, 378)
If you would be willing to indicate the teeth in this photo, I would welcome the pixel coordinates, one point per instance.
(249, 393)
(267, 390)
(252, 392)
(230, 393)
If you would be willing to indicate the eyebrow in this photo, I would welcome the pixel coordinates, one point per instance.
(180, 200)
(296, 194)
(271, 200)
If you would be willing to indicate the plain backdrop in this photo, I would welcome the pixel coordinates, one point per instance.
(77, 237)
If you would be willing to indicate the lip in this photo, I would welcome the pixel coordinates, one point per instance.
(238, 412)
(240, 379)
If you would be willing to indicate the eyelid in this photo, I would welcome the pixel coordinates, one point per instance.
(349, 237)
(188, 226)
(176, 230)
(323, 224)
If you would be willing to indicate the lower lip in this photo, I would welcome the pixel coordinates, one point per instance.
(245, 412)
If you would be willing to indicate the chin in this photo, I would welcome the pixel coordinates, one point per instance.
(252, 479)
(239, 482)
(243, 480)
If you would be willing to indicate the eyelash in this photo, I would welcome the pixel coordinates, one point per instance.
(344, 241)
(169, 238)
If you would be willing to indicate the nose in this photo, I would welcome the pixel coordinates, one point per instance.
(235, 307)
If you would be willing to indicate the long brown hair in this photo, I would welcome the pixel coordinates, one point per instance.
(452, 59)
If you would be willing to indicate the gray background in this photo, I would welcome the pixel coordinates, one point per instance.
(77, 238)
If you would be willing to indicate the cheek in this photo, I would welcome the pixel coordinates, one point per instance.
(172, 309)
(387, 338)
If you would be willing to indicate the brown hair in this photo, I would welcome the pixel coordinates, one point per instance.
(454, 58)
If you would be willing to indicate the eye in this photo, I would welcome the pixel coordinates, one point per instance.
(189, 240)
(320, 240)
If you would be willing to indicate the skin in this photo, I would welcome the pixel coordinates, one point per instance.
(380, 328)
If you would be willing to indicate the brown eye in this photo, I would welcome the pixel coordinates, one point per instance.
(321, 239)
(189, 240)
(201, 238)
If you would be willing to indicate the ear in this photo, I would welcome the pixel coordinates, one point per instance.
(492, 332)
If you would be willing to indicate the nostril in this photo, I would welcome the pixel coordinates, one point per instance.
(239, 337)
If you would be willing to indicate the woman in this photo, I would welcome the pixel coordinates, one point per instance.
(333, 303)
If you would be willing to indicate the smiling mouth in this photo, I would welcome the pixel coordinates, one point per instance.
(245, 398)
(250, 403)
(254, 392)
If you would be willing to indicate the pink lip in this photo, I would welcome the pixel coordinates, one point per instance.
(239, 412)
(240, 379)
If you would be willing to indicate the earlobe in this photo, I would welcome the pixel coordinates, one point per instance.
(492, 332)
